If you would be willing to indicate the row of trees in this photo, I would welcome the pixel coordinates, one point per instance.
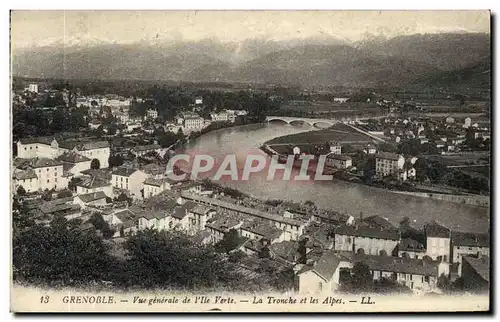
(62, 254)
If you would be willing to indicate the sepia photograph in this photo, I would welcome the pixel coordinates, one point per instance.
(250, 161)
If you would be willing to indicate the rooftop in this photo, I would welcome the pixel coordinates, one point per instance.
(480, 264)
(47, 140)
(240, 209)
(123, 171)
(25, 174)
(93, 182)
(367, 231)
(44, 163)
(408, 244)
(434, 229)
(470, 239)
(388, 156)
(72, 157)
(93, 196)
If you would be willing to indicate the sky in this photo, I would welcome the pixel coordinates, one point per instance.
(30, 28)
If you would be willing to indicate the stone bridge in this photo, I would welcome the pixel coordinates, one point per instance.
(317, 123)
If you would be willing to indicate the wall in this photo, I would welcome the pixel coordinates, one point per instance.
(373, 246)
(438, 247)
(475, 200)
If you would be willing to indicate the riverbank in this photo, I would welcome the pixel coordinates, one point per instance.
(473, 200)
(339, 195)
(468, 199)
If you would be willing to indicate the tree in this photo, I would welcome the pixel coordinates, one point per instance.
(302, 250)
(115, 160)
(72, 183)
(360, 280)
(21, 191)
(166, 259)
(99, 223)
(95, 164)
(443, 282)
(230, 241)
(55, 254)
(265, 252)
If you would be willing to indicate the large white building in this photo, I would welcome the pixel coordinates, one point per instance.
(222, 116)
(94, 184)
(339, 161)
(33, 88)
(438, 242)
(387, 163)
(130, 180)
(49, 147)
(193, 123)
(39, 174)
(151, 114)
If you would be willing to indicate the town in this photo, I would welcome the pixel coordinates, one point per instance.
(91, 169)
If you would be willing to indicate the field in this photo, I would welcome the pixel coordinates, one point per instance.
(339, 132)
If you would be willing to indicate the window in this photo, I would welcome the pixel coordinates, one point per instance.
(48, 180)
(25, 148)
(31, 148)
(427, 279)
(55, 180)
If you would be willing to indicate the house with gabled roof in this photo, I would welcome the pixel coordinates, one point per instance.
(90, 199)
(94, 184)
(129, 179)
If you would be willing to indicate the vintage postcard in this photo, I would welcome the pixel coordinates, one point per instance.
(250, 161)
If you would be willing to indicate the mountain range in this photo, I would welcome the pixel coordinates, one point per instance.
(436, 59)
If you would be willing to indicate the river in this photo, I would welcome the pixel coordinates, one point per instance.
(345, 197)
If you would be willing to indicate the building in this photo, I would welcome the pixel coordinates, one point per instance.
(370, 149)
(475, 272)
(151, 114)
(387, 163)
(338, 161)
(193, 123)
(198, 101)
(49, 173)
(340, 99)
(141, 150)
(482, 135)
(438, 241)
(130, 180)
(325, 275)
(26, 179)
(74, 163)
(153, 187)
(90, 199)
(41, 147)
(94, 150)
(411, 249)
(335, 148)
(261, 230)
(465, 243)
(450, 120)
(222, 116)
(122, 117)
(94, 184)
(33, 88)
(366, 239)
(467, 123)
(293, 229)
(49, 147)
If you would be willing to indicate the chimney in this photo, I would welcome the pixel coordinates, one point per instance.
(361, 216)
